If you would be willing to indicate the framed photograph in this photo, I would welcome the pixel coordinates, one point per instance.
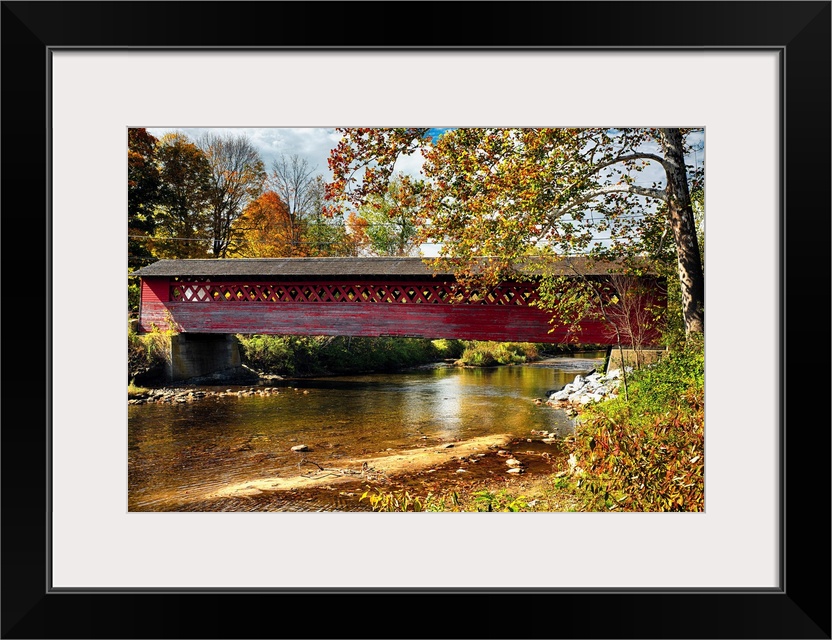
(754, 75)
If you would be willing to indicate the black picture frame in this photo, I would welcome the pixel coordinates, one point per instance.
(800, 608)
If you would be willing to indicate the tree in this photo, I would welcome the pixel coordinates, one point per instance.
(237, 177)
(143, 195)
(266, 231)
(182, 217)
(504, 193)
(293, 181)
(390, 227)
(263, 231)
(326, 235)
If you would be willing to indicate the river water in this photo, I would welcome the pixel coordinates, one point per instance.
(181, 452)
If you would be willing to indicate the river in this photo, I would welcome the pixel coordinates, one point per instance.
(184, 456)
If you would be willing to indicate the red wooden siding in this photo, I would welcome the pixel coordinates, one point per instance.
(154, 297)
(381, 308)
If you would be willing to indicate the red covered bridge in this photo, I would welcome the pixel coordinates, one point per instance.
(355, 297)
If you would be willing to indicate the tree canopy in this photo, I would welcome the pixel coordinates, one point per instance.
(387, 221)
(143, 195)
(182, 215)
(212, 198)
(505, 193)
(237, 177)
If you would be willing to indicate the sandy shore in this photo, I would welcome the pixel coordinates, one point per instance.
(366, 467)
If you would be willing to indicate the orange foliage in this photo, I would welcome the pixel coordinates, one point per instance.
(265, 230)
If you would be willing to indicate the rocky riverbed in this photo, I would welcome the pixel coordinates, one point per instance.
(192, 392)
(584, 389)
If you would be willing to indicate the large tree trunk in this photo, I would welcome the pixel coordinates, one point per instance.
(691, 276)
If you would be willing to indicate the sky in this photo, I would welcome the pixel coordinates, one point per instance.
(313, 144)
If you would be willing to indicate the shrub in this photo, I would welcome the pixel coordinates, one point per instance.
(487, 354)
(296, 355)
(647, 454)
(288, 355)
(403, 501)
(449, 348)
(133, 295)
(145, 353)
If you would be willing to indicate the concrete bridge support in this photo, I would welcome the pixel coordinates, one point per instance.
(635, 358)
(203, 355)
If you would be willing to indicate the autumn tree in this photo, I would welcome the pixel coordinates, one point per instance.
(266, 230)
(263, 231)
(325, 235)
(390, 217)
(358, 232)
(183, 215)
(143, 195)
(237, 177)
(503, 193)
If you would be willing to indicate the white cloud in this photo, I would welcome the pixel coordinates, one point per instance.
(411, 164)
(311, 143)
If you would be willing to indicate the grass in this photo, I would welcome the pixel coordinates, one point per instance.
(135, 391)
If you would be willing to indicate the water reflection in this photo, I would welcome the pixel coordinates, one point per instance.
(181, 448)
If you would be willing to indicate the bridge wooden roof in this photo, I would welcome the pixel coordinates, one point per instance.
(341, 267)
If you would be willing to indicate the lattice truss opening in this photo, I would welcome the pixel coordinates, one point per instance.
(519, 294)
